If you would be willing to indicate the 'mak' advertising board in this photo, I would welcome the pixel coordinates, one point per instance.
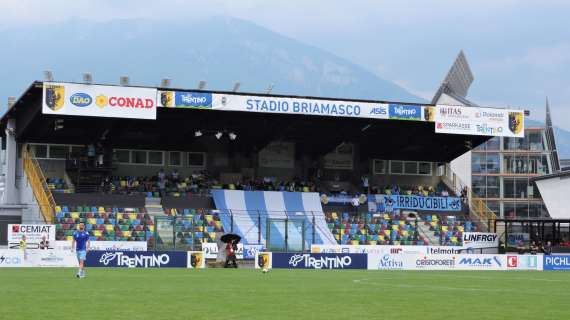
(98, 101)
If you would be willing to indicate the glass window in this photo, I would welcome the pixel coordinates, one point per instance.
(478, 183)
(477, 162)
(175, 158)
(396, 167)
(58, 152)
(522, 209)
(521, 188)
(410, 167)
(123, 156)
(514, 144)
(425, 168)
(535, 140)
(493, 164)
(493, 187)
(78, 150)
(196, 159)
(493, 144)
(494, 206)
(39, 150)
(138, 157)
(509, 188)
(378, 166)
(156, 157)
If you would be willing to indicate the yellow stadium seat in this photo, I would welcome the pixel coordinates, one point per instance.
(373, 242)
(135, 183)
(389, 192)
(405, 233)
(92, 221)
(123, 183)
(57, 209)
(305, 189)
(232, 186)
(386, 216)
(433, 223)
(126, 234)
(101, 210)
(209, 218)
(109, 227)
(69, 238)
(354, 242)
(402, 223)
(213, 235)
(454, 239)
(337, 237)
(387, 233)
(396, 243)
(183, 185)
(461, 229)
(363, 231)
(218, 224)
(132, 216)
(97, 233)
(75, 215)
(334, 216)
(395, 227)
(151, 228)
(444, 228)
(434, 218)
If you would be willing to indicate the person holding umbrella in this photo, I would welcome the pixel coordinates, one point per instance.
(231, 240)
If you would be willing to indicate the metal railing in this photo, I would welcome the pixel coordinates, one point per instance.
(38, 184)
(478, 210)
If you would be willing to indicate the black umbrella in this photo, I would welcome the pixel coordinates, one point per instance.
(229, 237)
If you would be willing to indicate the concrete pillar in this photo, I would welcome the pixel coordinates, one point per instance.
(10, 193)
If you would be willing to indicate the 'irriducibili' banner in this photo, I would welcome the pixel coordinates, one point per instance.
(387, 203)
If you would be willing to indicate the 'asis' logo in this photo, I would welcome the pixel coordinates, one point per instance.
(54, 96)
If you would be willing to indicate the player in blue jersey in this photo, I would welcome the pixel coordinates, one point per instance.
(80, 244)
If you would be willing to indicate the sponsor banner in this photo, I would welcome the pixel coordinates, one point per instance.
(251, 250)
(278, 155)
(472, 241)
(479, 121)
(389, 261)
(107, 245)
(98, 101)
(387, 249)
(263, 260)
(196, 260)
(405, 112)
(556, 262)
(137, 259)
(34, 233)
(285, 105)
(319, 260)
(518, 239)
(387, 203)
(38, 258)
(524, 262)
(211, 250)
(185, 99)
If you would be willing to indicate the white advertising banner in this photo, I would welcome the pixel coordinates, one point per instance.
(301, 106)
(211, 250)
(106, 245)
(480, 242)
(387, 249)
(479, 121)
(278, 155)
(525, 262)
(38, 258)
(34, 233)
(436, 262)
(98, 101)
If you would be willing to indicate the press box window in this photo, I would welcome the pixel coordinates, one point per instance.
(196, 159)
(175, 158)
(39, 151)
(379, 166)
(123, 156)
(396, 167)
(58, 152)
(156, 157)
(139, 157)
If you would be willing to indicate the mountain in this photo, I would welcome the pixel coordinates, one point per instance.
(561, 136)
(219, 50)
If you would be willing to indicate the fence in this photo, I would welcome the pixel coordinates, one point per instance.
(274, 230)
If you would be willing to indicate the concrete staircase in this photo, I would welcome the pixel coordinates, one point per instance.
(154, 206)
(428, 234)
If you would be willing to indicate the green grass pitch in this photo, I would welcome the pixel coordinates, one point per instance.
(281, 294)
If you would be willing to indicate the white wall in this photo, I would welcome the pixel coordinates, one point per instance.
(554, 192)
(462, 168)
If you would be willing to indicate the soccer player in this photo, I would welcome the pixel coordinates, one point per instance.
(80, 244)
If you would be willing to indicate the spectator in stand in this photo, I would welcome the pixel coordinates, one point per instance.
(161, 175)
(162, 187)
(533, 248)
(174, 176)
(365, 185)
(445, 193)
(547, 249)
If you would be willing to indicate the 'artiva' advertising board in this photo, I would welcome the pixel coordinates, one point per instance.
(436, 262)
(98, 101)
(388, 249)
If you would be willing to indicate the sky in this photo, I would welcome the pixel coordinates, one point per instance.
(517, 49)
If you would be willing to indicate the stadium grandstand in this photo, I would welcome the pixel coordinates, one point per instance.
(177, 168)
